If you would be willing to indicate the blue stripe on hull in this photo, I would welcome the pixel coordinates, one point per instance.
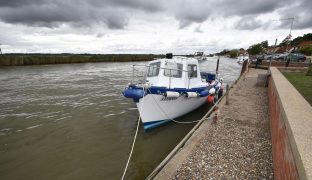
(153, 124)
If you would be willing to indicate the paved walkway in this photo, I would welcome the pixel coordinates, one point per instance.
(238, 146)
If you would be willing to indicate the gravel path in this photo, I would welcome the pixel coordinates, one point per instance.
(238, 146)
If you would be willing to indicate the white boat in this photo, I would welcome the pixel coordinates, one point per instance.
(241, 58)
(200, 56)
(171, 88)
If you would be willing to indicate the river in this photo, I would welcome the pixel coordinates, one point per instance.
(70, 121)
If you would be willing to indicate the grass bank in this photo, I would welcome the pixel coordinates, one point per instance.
(302, 83)
(39, 59)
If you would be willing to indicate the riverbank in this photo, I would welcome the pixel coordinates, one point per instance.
(41, 59)
(237, 146)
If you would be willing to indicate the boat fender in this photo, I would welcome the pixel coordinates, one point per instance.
(212, 91)
(135, 94)
(213, 83)
(218, 85)
(191, 94)
(220, 93)
(210, 99)
(171, 94)
(147, 85)
(204, 93)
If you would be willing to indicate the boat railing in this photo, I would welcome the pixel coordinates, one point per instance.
(139, 75)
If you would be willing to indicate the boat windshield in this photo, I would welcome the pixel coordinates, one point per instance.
(173, 69)
(153, 69)
(192, 70)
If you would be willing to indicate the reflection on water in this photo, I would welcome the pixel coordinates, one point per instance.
(71, 122)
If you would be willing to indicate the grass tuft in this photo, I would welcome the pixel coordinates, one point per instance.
(302, 83)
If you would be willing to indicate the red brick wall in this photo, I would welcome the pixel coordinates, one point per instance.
(283, 161)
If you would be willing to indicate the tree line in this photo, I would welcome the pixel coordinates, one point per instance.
(259, 48)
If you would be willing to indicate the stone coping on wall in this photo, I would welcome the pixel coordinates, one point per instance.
(297, 113)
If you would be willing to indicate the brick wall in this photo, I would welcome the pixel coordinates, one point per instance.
(283, 160)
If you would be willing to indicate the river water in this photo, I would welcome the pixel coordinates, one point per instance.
(70, 121)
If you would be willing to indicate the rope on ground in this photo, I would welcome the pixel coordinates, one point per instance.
(133, 143)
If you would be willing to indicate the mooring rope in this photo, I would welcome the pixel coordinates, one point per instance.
(133, 143)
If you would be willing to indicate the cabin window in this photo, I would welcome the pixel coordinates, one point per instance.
(173, 69)
(192, 70)
(153, 69)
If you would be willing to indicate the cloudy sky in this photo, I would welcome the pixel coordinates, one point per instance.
(147, 26)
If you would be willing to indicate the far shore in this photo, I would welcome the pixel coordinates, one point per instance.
(41, 59)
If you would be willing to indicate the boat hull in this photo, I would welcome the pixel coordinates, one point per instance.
(157, 110)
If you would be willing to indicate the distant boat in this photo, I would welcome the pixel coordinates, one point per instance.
(200, 56)
(241, 58)
(170, 89)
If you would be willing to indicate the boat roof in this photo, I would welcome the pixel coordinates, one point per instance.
(176, 59)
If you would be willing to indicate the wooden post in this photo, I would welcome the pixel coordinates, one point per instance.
(217, 68)
(272, 57)
(227, 94)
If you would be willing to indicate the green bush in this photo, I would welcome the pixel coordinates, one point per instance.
(309, 73)
(307, 50)
(233, 53)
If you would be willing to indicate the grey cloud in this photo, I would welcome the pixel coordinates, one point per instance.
(149, 6)
(188, 11)
(248, 23)
(18, 3)
(198, 11)
(51, 13)
(302, 13)
(115, 14)
(247, 7)
(198, 30)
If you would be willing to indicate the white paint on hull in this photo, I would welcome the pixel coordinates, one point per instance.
(156, 107)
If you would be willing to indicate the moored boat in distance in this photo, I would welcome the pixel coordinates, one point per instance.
(200, 56)
(171, 88)
(241, 58)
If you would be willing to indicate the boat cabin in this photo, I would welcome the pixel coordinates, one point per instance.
(178, 72)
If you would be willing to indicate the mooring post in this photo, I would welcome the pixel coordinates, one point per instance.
(217, 68)
(227, 94)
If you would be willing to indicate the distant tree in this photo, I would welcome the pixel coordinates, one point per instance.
(265, 44)
(286, 41)
(299, 39)
(307, 50)
(296, 41)
(233, 53)
(223, 52)
(255, 49)
(307, 37)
